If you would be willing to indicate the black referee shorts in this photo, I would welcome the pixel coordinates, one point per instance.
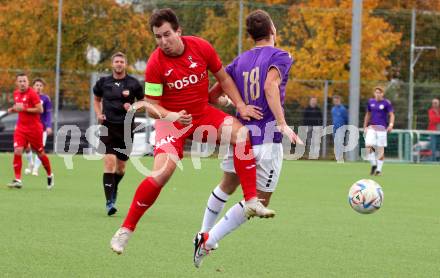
(115, 140)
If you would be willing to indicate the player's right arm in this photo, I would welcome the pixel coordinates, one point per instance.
(34, 100)
(97, 104)
(153, 94)
(157, 111)
(366, 121)
(97, 101)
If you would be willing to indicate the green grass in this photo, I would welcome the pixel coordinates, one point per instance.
(65, 232)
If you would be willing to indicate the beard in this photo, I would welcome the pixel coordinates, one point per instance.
(118, 70)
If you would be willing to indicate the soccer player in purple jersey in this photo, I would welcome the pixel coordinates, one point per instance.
(261, 76)
(46, 119)
(378, 120)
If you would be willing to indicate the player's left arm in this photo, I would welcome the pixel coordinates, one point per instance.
(228, 86)
(217, 96)
(272, 93)
(391, 124)
(38, 109)
(36, 102)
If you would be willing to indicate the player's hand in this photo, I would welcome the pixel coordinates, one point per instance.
(49, 131)
(389, 128)
(18, 107)
(127, 106)
(249, 111)
(182, 117)
(11, 110)
(101, 118)
(224, 101)
(286, 130)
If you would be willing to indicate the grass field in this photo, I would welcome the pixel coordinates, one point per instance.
(65, 232)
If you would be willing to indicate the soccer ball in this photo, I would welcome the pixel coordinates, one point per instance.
(365, 196)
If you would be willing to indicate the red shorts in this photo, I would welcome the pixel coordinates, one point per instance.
(32, 137)
(170, 137)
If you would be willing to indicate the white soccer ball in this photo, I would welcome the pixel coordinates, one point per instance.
(365, 196)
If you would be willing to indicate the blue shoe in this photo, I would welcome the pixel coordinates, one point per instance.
(110, 208)
(114, 197)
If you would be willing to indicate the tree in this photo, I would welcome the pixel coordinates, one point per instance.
(319, 38)
(221, 29)
(29, 32)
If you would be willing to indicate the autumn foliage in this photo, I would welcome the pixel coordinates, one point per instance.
(316, 32)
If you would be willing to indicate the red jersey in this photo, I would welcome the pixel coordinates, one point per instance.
(181, 82)
(434, 119)
(29, 99)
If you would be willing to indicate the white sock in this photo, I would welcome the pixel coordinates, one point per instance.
(372, 158)
(216, 203)
(233, 219)
(29, 158)
(379, 165)
(37, 163)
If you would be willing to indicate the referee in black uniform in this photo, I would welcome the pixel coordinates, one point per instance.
(113, 96)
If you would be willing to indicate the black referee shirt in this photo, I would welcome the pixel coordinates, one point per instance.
(116, 92)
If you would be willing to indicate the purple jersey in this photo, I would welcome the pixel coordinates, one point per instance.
(46, 116)
(379, 111)
(249, 71)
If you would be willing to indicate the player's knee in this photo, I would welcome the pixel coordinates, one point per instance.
(109, 163)
(18, 151)
(240, 132)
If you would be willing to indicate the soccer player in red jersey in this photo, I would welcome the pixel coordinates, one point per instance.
(29, 129)
(176, 85)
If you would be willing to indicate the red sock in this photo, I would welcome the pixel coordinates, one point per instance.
(246, 169)
(17, 166)
(146, 193)
(46, 164)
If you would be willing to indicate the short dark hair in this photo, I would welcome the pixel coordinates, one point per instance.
(380, 88)
(160, 16)
(119, 54)
(259, 25)
(41, 80)
(20, 74)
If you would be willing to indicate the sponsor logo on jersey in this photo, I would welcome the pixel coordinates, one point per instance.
(117, 83)
(187, 80)
(169, 72)
(166, 140)
(193, 64)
